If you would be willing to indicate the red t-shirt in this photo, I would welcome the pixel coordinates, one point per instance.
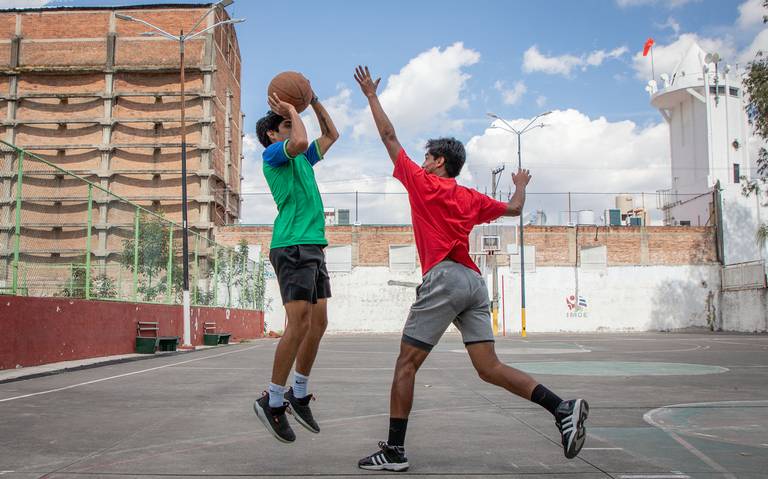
(443, 214)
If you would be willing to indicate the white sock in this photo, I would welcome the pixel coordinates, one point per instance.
(300, 385)
(276, 395)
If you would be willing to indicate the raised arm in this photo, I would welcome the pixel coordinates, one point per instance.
(297, 142)
(328, 132)
(515, 205)
(387, 132)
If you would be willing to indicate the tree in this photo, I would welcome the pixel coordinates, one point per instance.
(153, 250)
(101, 286)
(756, 86)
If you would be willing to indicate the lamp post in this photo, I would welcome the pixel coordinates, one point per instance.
(182, 38)
(509, 128)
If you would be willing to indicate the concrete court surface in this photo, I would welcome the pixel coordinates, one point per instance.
(662, 406)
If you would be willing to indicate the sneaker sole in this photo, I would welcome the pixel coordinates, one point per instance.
(387, 467)
(265, 421)
(304, 423)
(581, 408)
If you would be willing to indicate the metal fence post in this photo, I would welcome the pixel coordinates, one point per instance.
(17, 245)
(169, 268)
(88, 244)
(215, 275)
(197, 271)
(244, 290)
(136, 255)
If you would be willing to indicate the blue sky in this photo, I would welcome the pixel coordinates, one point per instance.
(446, 63)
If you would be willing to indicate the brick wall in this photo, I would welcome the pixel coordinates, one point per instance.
(555, 245)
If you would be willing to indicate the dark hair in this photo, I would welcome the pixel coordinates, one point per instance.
(452, 150)
(268, 122)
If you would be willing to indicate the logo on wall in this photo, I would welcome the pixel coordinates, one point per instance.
(577, 306)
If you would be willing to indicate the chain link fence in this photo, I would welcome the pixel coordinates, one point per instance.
(63, 235)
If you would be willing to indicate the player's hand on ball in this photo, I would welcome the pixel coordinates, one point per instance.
(521, 178)
(367, 84)
(282, 108)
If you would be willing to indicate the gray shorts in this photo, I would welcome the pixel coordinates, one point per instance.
(449, 293)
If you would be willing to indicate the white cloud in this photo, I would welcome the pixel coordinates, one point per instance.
(666, 3)
(591, 155)
(666, 57)
(671, 23)
(25, 3)
(541, 100)
(535, 61)
(760, 43)
(512, 96)
(751, 14)
(422, 93)
(418, 99)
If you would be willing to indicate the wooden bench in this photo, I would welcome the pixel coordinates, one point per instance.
(211, 337)
(148, 339)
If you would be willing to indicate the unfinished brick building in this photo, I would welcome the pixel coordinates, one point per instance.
(86, 91)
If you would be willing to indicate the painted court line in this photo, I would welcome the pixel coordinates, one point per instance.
(654, 476)
(648, 417)
(72, 386)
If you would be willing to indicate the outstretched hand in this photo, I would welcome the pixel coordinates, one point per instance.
(521, 178)
(367, 84)
(282, 108)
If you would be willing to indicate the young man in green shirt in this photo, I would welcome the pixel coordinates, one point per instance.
(296, 253)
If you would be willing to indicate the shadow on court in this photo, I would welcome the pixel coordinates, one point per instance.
(663, 406)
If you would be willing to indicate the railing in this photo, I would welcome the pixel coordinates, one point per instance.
(740, 276)
(63, 235)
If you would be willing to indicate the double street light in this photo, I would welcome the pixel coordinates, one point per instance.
(182, 38)
(510, 129)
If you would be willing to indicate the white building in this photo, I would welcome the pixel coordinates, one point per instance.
(702, 100)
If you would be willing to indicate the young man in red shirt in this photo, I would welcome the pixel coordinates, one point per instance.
(452, 291)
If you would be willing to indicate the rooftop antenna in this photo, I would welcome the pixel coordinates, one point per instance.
(714, 58)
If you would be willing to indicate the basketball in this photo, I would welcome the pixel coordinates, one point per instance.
(293, 88)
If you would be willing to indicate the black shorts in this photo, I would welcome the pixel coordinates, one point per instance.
(301, 272)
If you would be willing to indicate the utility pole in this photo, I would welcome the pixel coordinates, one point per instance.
(519, 133)
(495, 301)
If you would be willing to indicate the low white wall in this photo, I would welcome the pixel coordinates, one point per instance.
(364, 300)
(629, 298)
(745, 310)
(621, 298)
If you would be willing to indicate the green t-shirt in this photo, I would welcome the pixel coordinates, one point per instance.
(300, 218)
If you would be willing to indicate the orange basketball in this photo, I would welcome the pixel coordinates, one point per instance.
(293, 88)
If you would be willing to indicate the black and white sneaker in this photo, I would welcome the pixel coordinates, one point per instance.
(389, 458)
(301, 411)
(274, 419)
(569, 417)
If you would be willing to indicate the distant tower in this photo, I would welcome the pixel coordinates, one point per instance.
(703, 103)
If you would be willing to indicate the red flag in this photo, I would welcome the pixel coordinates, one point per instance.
(648, 44)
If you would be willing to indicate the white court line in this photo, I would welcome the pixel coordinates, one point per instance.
(654, 476)
(648, 417)
(49, 391)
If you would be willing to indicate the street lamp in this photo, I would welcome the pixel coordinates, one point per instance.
(509, 128)
(182, 38)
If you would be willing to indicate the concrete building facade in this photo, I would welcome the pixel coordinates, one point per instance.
(579, 278)
(89, 93)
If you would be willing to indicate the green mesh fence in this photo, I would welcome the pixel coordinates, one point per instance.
(62, 234)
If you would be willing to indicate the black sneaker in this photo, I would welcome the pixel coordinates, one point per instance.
(389, 458)
(274, 419)
(301, 411)
(569, 417)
